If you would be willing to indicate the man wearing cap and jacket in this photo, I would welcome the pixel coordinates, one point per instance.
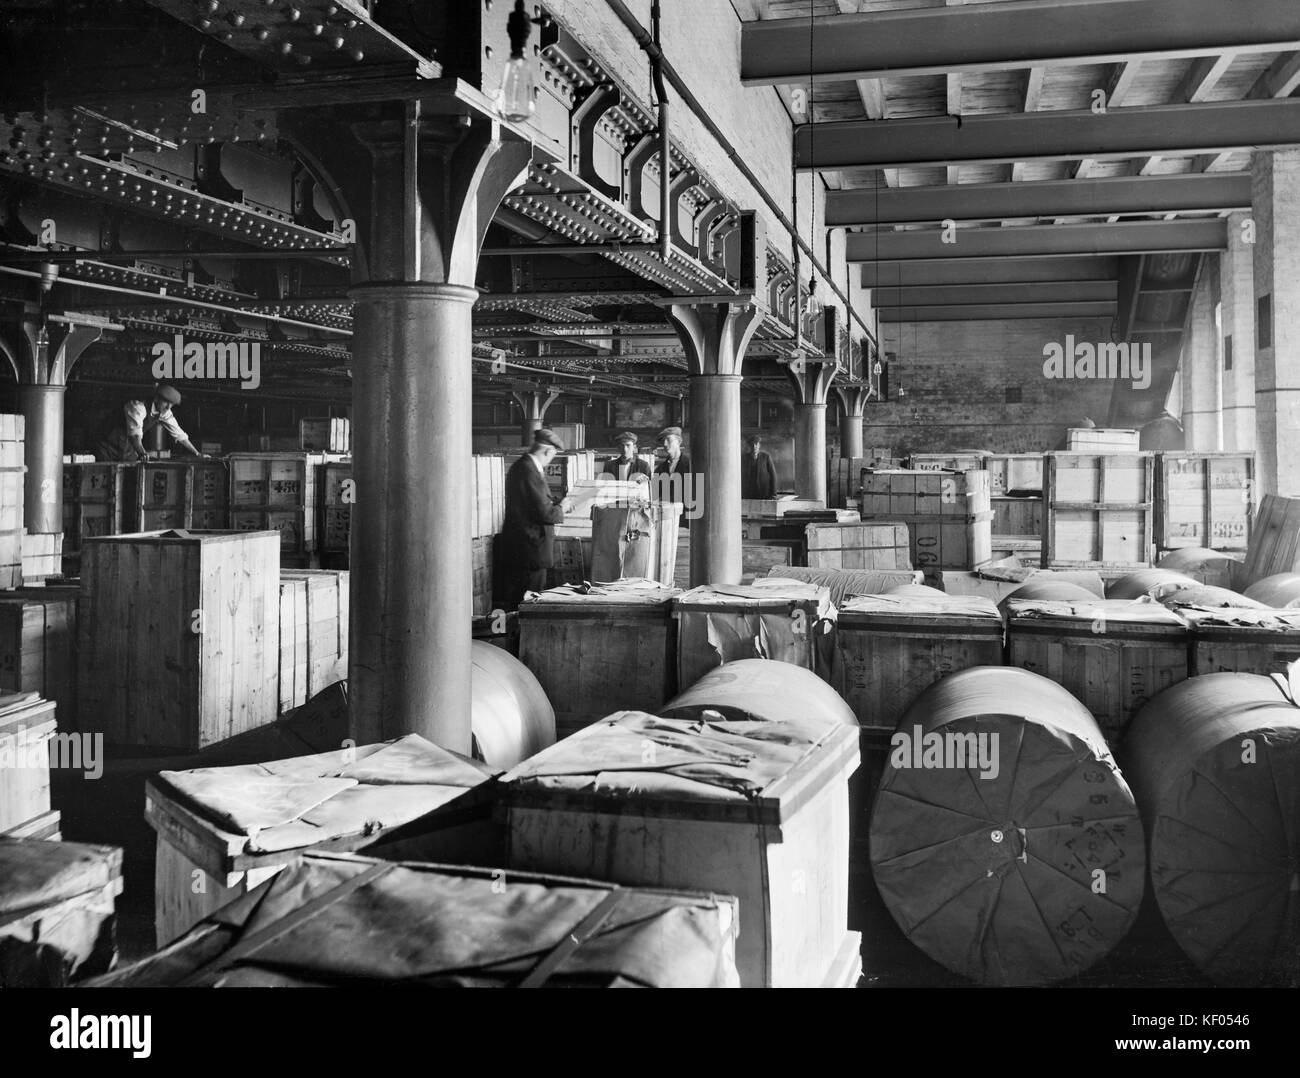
(757, 476)
(124, 438)
(527, 542)
(627, 466)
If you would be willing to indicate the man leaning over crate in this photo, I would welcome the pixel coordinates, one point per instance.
(527, 537)
(124, 437)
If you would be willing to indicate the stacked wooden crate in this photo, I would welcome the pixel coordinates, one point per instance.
(569, 468)
(858, 546)
(38, 637)
(12, 470)
(758, 508)
(963, 461)
(325, 609)
(1243, 641)
(573, 435)
(42, 555)
(1098, 509)
(94, 501)
(489, 495)
(338, 495)
(948, 515)
(481, 554)
(1017, 520)
(1204, 500)
(276, 492)
(1113, 655)
(177, 636)
(328, 434)
(293, 643)
(27, 729)
(177, 494)
(1102, 440)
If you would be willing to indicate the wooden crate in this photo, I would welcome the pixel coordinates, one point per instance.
(1098, 510)
(566, 469)
(293, 643)
(952, 462)
(337, 496)
(12, 441)
(1204, 500)
(276, 492)
(1013, 471)
(1020, 517)
(1102, 440)
(890, 649)
(47, 826)
(781, 848)
(777, 507)
(1274, 542)
(177, 637)
(481, 552)
(844, 480)
(27, 726)
(898, 495)
(94, 501)
(872, 545)
(11, 498)
(489, 495)
(42, 556)
(331, 434)
(356, 798)
(57, 909)
(327, 625)
(394, 924)
(1243, 641)
(1026, 550)
(1113, 655)
(611, 649)
(769, 619)
(573, 435)
(11, 559)
(636, 539)
(38, 638)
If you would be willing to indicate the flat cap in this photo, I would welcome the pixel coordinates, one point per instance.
(753, 439)
(546, 436)
(168, 393)
(667, 432)
(626, 436)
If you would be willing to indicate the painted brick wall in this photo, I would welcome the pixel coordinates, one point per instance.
(957, 375)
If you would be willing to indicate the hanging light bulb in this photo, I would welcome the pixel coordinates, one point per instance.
(516, 102)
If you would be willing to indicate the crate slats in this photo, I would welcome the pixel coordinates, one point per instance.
(326, 613)
(1098, 510)
(871, 545)
(1204, 500)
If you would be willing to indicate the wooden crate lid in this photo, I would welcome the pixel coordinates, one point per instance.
(721, 769)
(414, 923)
(36, 872)
(1097, 615)
(628, 596)
(25, 711)
(766, 593)
(1223, 623)
(183, 536)
(227, 819)
(924, 611)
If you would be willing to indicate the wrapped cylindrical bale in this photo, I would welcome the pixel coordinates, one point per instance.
(1004, 841)
(512, 717)
(1205, 595)
(762, 689)
(1215, 765)
(1153, 582)
(1201, 563)
(1281, 591)
(1047, 589)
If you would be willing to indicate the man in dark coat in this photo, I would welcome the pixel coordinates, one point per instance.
(527, 537)
(757, 476)
(627, 465)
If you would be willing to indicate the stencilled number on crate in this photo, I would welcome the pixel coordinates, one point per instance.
(198, 101)
(648, 752)
(799, 622)
(498, 881)
(798, 882)
(1099, 624)
(498, 617)
(48, 231)
(196, 621)
(349, 751)
(47, 491)
(1098, 881)
(198, 882)
(348, 492)
(948, 491)
(1248, 750)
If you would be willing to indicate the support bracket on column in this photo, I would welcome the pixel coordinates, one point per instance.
(853, 398)
(715, 336)
(532, 404)
(811, 380)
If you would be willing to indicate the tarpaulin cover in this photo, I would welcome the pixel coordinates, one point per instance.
(841, 583)
(287, 804)
(1215, 764)
(1208, 595)
(644, 756)
(1132, 611)
(1028, 875)
(631, 591)
(35, 873)
(442, 926)
(969, 606)
(1265, 620)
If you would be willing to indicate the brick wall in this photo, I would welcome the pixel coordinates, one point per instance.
(957, 376)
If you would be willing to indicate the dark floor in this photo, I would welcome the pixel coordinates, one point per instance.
(110, 810)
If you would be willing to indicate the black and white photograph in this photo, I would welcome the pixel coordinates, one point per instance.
(649, 494)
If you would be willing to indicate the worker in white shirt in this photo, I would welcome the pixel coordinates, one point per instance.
(124, 438)
(627, 466)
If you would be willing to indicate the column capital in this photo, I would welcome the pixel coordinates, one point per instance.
(43, 351)
(853, 398)
(715, 334)
(811, 380)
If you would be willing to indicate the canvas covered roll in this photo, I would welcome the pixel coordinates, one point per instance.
(761, 689)
(1208, 596)
(1048, 589)
(1279, 591)
(1215, 764)
(1200, 563)
(1152, 582)
(1029, 875)
(512, 717)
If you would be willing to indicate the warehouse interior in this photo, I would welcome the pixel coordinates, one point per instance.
(989, 684)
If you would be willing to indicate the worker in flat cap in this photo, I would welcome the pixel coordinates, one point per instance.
(627, 466)
(123, 435)
(527, 541)
(757, 476)
(672, 461)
